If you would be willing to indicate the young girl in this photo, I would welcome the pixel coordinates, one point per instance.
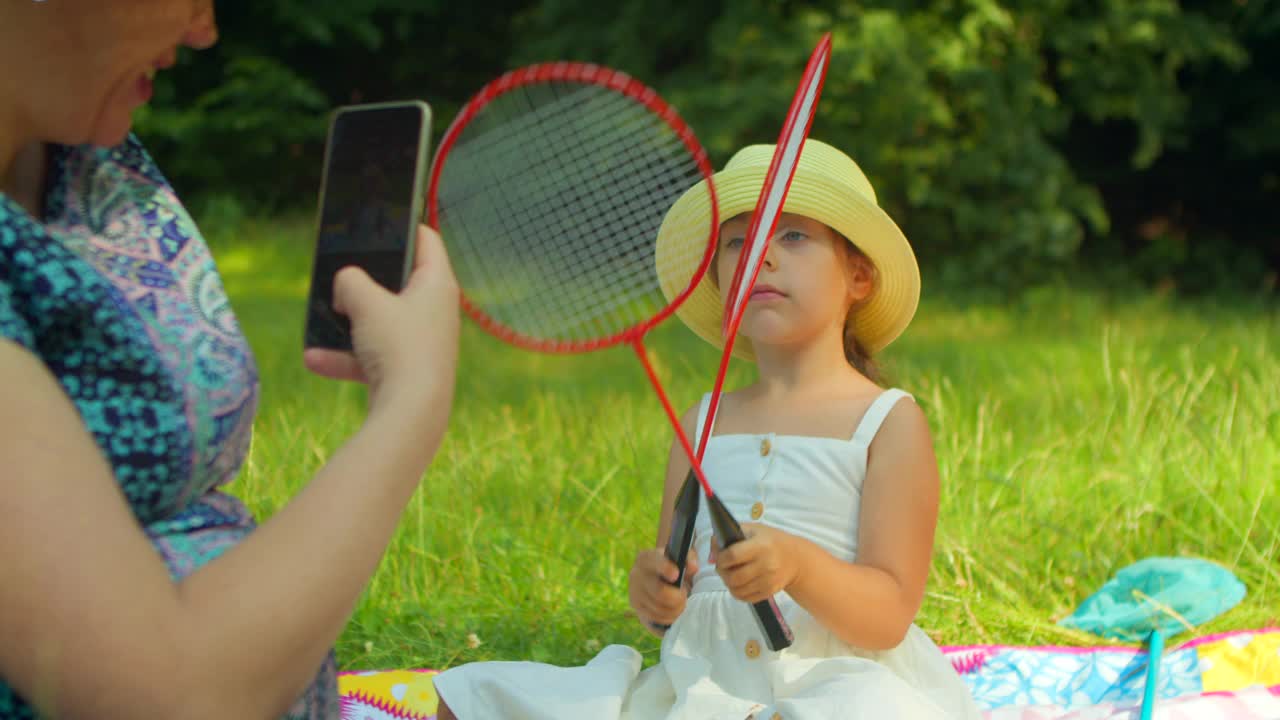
(834, 479)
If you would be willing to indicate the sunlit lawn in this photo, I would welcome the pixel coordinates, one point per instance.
(1076, 434)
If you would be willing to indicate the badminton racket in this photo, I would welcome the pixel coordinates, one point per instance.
(548, 189)
(764, 220)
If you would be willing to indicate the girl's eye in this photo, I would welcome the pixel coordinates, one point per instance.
(733, 242)
(793, 236)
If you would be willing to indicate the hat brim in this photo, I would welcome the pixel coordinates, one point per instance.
(876, 324)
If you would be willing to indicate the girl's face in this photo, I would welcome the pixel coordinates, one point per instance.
(93, 61)
(808, 280)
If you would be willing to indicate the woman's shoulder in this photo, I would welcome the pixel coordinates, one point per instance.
(21, 240)
(130, 157)
(40, 262)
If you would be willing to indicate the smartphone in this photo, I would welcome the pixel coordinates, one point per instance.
(371, 201)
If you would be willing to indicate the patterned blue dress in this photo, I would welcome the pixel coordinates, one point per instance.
(115, 291)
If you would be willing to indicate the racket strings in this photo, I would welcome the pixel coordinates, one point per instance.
(584, 225)
(550, 203)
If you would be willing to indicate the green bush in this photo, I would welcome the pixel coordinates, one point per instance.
(1012, 141)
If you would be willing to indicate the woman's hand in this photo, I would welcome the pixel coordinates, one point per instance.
(654, 598)
(758, 567)
(406, 344)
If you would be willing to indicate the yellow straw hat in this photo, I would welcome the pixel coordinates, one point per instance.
(828, 187)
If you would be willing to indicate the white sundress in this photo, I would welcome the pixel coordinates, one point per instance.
(714, 664)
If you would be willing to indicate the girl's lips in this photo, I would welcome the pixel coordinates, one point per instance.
(766, 291)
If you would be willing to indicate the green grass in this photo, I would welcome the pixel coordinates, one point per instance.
(1075, 434)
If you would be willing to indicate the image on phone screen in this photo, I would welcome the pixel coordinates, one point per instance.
(370, 206)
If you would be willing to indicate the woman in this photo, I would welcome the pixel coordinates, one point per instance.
(130, 586)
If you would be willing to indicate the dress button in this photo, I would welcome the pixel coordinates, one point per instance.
(765, 447)
(753, 649)
(757, 510)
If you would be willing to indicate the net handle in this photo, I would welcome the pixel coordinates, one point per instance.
(588, 74)
(695, 460)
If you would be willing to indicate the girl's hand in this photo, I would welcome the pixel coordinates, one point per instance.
(759, 567)
(406, 344)
(653, 597)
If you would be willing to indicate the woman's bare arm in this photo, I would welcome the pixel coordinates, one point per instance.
(92, 626)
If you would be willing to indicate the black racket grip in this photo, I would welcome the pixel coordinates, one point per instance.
(681, 537)
(682, 517)
(777, 633)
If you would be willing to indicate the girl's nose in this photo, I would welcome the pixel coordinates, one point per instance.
(770, 257)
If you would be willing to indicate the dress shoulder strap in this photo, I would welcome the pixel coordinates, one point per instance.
(702, 418)
(875, 415)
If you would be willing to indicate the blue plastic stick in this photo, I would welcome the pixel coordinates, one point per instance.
(1155, 649)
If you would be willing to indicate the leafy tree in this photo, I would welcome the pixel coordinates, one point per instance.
(1010, 138)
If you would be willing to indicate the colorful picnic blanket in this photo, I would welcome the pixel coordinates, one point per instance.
(1231, 676)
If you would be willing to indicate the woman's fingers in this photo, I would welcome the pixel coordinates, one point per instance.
(333, 364)
(355, 293)
(405, 344)
(431, 262)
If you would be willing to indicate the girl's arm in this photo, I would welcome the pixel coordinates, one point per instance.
(650, 593)
(871, 602)
(677, 469)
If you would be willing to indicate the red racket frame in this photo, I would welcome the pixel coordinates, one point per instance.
(628, 86)
(817, 66)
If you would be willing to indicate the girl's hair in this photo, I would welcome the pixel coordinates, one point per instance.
(855, 353)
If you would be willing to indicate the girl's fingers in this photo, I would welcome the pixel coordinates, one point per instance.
(646, 606)
(668, 571)
(736, 555)
(690, 569)
(661, 616)
(756, 591)
(747, 583)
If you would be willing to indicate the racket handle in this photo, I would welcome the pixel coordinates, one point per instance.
(681, 537)
(768, 616)
(682, 516)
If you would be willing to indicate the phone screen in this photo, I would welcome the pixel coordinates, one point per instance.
(369, 207)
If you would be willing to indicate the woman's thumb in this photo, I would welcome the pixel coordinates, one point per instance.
(353, 290)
